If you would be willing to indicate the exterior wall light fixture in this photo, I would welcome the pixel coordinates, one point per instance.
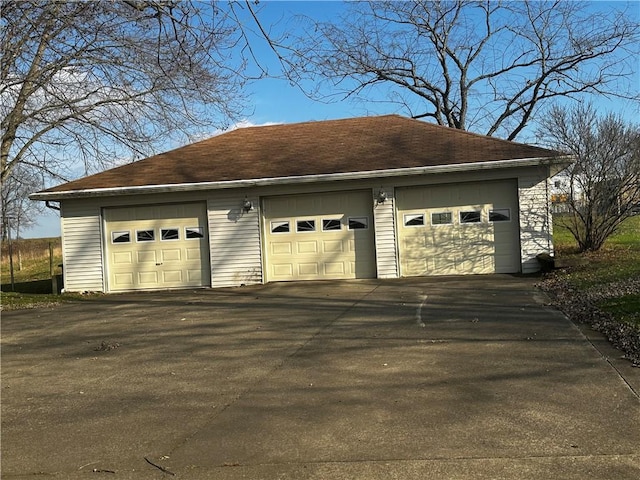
(247, 206)
(381, 197)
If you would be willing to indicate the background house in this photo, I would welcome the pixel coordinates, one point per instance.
(369, 197)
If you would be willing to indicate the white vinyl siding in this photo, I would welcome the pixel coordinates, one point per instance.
(81, 246)
(535, 219)
(385, 236)
(237, 250)
(234, 241)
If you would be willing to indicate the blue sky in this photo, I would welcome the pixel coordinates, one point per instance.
(276, 101)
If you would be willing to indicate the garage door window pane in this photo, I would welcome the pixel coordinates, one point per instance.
(413, 220)
(306, 226)
(194, 232)
(169, 234)
(279, 227)
(145, 235)
(441, 218)
(358, 223)
(120, 237)
(500, 215)
(470, 217)
(329, 224)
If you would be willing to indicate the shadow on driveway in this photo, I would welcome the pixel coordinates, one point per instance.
(455, 377)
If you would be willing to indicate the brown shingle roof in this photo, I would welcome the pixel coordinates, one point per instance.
(310, 148)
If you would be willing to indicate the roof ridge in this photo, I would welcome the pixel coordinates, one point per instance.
(371, 117)
(305, 122)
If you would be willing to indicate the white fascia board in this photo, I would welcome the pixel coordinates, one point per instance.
(327, 177)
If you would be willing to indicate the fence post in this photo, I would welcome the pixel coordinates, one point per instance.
(13, 282)
(52, 272)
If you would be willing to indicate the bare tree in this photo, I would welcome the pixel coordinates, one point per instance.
(485, 65)
(602, 187)
(18, 212)
(101, 81)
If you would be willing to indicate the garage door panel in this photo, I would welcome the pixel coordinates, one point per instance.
(307, 247)
(444, 264)
(441, 235)
(308, 269)
(476, 262)
(334, 268)
(320, 243)
(449, 239)
(146, 257)
(282, 270)
(171, 255)
(194, 276)
(419, 266)
(122, 258)
(124, 280)
(175, 256)
(148, 278)
(281, 248)
(193, 254)
(172, 276)
(332, 246)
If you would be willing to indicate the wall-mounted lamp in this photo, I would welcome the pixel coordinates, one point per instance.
(247, 206)
(381, 197)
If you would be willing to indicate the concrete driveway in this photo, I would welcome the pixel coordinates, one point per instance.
(452, 378)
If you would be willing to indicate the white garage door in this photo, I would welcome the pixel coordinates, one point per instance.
(464, 228)
(156, 247)
(319, 236)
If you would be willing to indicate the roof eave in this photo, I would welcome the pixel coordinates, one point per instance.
(557, 162)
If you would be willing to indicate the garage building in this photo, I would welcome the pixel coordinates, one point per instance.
(371, 197)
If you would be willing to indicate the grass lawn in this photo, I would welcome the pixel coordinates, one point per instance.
(32, 285)
(626, 309)
(616, 263)
(17, 300)
(30, 260)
